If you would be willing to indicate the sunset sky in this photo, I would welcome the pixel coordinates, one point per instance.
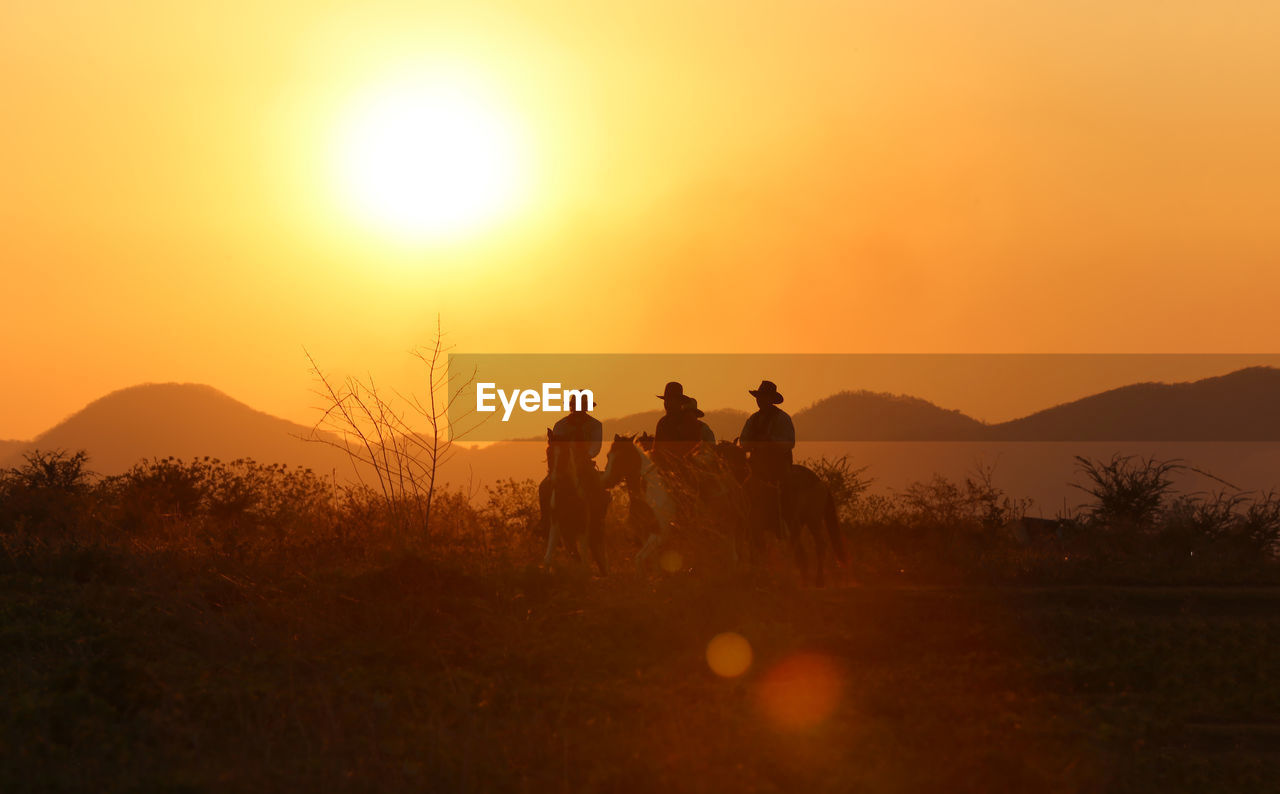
(905, 176)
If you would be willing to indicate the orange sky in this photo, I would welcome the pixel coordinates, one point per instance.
(716, 176)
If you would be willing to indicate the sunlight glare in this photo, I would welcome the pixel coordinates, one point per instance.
(430, 158)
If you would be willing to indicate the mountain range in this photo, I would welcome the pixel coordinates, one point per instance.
(193, 420)
(1240, 406)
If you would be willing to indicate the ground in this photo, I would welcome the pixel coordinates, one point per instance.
(414, 672)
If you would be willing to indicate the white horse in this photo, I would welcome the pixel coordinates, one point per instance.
(629, 463)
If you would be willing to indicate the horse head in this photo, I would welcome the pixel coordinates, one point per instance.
(733, 457)
(624, 461)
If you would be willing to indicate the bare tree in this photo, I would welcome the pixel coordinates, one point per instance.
(398, 442)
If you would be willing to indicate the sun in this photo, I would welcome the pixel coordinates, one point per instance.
(430, 159)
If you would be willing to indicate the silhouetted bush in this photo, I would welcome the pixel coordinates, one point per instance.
(226, 504)
(1137, 529)
(845, 482)
(1234, 528)
(511, 508)
(1129, 492)
(48, 493)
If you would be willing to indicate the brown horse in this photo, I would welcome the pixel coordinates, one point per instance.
(811, 507)
(565, 497)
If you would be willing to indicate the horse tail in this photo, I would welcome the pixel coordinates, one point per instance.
(832, 520)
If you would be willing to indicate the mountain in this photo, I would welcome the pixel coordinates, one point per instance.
(876, 416)
(185, 420)
(726, 423)
(847, 416)
(901, 438)
(1241, 406)
(11, 450)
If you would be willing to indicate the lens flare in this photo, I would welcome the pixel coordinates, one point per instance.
(671, 561)
(729, 654)
(801, 691)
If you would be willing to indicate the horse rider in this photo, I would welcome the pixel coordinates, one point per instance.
(702, 458)
(587, 433)
(706, 436)
(769, 439)
(677, 431)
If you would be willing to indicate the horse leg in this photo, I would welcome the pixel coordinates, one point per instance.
(832, 521)
(748, 536)
(544, 508)
(599, 506)
(595, 539)
(583, 525)
(819, 550)
(553, 540)
(735, 546)
(650, 548)
(802, 559)
(737, 529)
(573, 541)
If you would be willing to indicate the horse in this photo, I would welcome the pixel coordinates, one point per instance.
(811, 506)
(565, 499)
(629, 463)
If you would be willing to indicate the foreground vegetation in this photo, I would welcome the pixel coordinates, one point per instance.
(202, 626)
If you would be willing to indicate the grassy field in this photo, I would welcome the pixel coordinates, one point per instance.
(145, 670)
(208, 626)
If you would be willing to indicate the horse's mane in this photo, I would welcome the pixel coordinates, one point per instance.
(574, 456)
(633, 441)
(731, 457)
(626, 445)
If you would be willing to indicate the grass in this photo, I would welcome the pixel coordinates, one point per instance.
(403, 671)
(202, 626)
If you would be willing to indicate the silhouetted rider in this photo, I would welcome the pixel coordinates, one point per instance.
(582, 428)
(587, 433)
(702, 460)
(769, 438)
(706, 436)
(677, 431)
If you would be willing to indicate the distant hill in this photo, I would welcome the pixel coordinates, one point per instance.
(876, 416)
(185, 420)
(191, 420)
(847, 416)
(860, 415)
(726, 423)
(1241, 406)
(11, 450)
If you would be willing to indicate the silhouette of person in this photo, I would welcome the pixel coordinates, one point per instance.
(587, 433)
(581, 427)
(705, 435)
(701, 460)
(769, 437)
(677, 430)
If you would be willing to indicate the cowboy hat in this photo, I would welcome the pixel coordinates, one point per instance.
(673, 391)
(768, 390)
(691, 405)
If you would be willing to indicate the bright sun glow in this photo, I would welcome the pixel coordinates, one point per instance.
(430, 159)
